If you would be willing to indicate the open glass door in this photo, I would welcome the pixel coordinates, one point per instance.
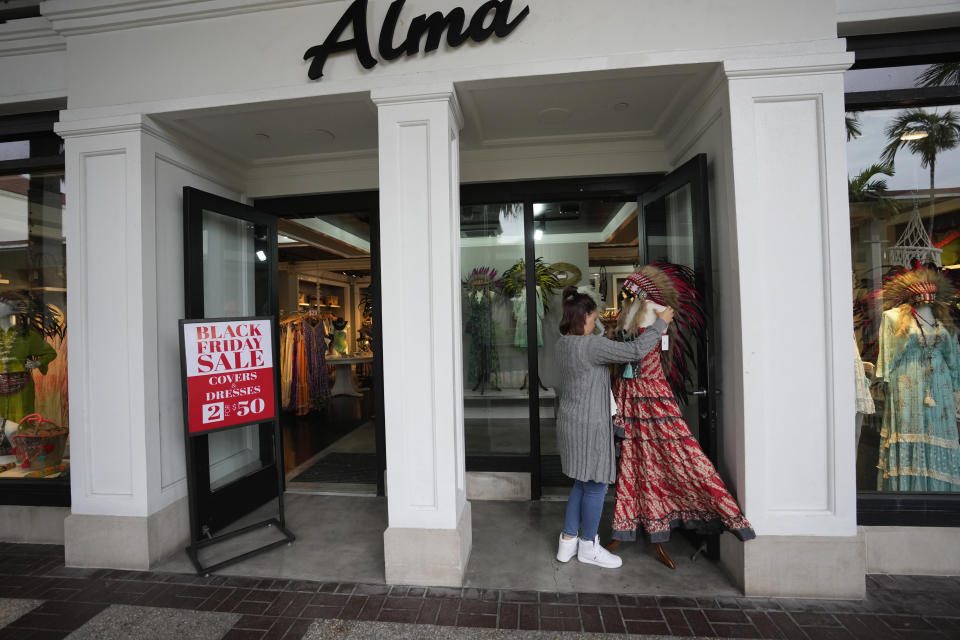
(230, 251)
(675, 227)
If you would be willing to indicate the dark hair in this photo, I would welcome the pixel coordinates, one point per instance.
(576, 307)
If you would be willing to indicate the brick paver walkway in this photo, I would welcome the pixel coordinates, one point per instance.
(895, 607)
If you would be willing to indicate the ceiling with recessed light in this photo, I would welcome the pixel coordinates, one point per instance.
(544, 109)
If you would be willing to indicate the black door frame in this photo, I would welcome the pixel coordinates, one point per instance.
(215, 510)
(308, 206)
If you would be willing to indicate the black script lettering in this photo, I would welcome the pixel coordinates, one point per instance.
(387, 50)
(434, 25)
(501, 25)
(356, 14)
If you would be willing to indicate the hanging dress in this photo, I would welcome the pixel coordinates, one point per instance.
(665, 481)
(484, 360)
(918, 437)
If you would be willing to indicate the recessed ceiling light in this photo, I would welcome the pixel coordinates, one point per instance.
(621, 106)
(261, 136)
(325, 134)
(554, 115)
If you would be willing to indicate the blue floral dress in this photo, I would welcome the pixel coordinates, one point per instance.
(919, 449)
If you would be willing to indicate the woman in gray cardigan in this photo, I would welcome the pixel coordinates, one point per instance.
(585, 422)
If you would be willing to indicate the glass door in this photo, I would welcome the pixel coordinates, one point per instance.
(230, 251)
(675, 227)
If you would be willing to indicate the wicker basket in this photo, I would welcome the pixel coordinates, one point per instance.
(39, 443)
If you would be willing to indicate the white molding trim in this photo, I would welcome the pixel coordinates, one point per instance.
(573, 138)
(144, 124)
(80, 17)
(442, 92)
(29, 35)
(793, 66)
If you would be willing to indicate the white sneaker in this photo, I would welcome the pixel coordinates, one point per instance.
(594, 553)
(567, 548)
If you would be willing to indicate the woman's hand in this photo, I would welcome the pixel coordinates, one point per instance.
(666, 315)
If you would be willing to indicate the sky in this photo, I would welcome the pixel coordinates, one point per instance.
(865, 151)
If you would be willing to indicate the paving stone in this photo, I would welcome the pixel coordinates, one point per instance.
(12, 608)
(122, 622)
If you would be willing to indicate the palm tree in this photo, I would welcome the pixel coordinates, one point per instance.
(853, 125)
(925, 134)
(940, 75)
(867, 189)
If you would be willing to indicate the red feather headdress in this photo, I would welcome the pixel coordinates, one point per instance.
(673, 285)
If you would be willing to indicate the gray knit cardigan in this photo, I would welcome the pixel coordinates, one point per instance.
(584, 424)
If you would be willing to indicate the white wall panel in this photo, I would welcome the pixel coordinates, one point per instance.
(170, 177)
(789, 240)
(108, 313)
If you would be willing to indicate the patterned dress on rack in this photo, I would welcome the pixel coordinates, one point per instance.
(665, 481)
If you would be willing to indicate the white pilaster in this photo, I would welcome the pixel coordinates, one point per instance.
(795, 449)
(125, 272)
(429, 536)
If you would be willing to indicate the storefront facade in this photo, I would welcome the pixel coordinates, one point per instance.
(757, 87)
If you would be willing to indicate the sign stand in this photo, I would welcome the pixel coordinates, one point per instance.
(229, 382)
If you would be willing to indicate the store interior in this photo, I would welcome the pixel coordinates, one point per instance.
(327, 353)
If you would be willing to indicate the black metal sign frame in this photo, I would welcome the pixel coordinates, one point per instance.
(197, 544)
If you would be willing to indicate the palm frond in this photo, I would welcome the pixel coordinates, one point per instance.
(940, 75)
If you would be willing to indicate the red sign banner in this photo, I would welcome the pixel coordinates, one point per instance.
(229, 370)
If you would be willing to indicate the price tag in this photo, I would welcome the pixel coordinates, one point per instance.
(664, 342)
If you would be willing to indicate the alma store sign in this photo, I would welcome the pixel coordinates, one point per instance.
(490, 18)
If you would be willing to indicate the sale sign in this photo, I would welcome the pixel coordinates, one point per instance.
(229, 373)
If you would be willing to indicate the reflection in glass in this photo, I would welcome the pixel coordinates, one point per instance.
(234, 252)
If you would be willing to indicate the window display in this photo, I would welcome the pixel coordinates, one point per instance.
(33, 323)
(493, 294)
(919, 363)
(904, 192)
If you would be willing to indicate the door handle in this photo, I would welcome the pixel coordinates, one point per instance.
(700, 392)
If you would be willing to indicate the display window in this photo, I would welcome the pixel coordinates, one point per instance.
(496, 373)
(904, 191)
(34, 438)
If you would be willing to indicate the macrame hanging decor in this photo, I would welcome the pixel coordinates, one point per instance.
(914, 244)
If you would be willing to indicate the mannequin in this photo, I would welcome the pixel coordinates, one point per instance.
(665, 481)
(484, 361)
(22, 350)
(919, 361)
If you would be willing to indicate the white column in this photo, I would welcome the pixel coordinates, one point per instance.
(795, 452)
(429, 536)
(125, 290)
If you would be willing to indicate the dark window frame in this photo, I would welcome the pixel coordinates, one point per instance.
(894, 50)
(39, 492)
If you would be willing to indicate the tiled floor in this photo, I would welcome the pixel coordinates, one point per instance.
(261, 608)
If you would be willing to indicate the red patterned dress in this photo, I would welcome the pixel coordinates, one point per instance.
(665, 481)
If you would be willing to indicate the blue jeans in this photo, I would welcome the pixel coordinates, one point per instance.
(583, 509)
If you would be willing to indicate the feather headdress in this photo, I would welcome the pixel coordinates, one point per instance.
(670, 285)
(904, 287)
(482, 280)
